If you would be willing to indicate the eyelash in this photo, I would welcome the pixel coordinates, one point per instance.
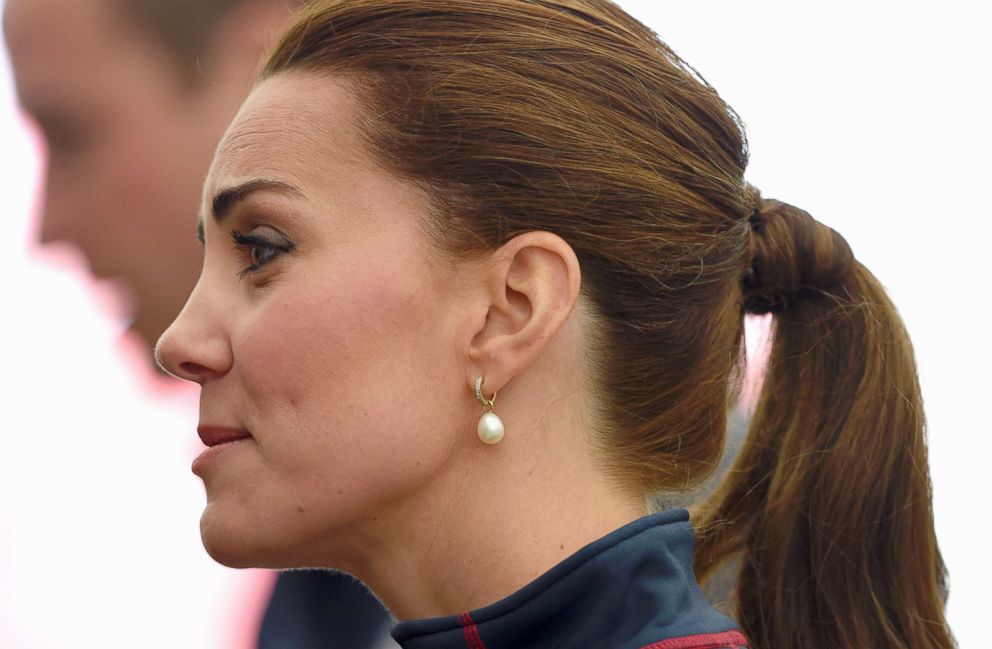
(252, 242)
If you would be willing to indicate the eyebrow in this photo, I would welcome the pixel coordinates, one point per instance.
(226, 199)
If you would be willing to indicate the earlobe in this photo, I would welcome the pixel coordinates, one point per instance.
(532, 284)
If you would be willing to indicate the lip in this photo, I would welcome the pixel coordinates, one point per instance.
(219, 439)
(214, 435)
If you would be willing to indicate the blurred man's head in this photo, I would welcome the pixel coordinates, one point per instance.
(132, 96)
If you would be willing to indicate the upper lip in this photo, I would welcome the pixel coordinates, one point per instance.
(214, 435)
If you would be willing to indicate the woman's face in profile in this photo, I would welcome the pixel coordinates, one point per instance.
(319, 326)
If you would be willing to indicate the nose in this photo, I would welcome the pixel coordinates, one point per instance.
(58, 217)
(195, 347)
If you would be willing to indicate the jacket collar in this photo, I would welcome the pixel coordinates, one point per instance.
(632, 588)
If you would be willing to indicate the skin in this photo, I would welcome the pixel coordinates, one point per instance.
(351, 360)
(129, 138)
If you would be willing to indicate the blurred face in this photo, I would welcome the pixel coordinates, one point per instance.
(128, 146)
(321, 334)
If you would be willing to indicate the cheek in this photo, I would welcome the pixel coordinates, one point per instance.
(347, 380)
(124, 182)
(142, 169)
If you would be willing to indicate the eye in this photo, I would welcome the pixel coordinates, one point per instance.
(65, 137)
(260, 250)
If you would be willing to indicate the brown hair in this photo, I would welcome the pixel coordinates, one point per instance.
(572, 117)
(184, 27)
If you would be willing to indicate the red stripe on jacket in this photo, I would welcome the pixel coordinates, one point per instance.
(725, 640)
(471, 632)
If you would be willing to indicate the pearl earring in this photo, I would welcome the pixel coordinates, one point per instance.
(490, 425)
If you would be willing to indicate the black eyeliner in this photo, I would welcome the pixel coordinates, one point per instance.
(242, 241)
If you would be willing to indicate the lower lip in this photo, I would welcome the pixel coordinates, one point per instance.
(212, 453)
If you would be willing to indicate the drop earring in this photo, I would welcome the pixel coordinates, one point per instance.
(490, 425)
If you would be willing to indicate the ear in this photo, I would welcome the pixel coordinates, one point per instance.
(241, 39)
(531, 285)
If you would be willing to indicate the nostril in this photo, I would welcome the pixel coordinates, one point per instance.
(193, 371)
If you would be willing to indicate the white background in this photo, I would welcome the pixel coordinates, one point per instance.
(873, 116)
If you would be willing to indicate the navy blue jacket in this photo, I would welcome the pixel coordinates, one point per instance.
(632, 589)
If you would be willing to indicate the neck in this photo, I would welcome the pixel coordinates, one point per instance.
(497, 518)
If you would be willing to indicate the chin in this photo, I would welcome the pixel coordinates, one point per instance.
(225, 546)
(233, 544)
(241, 543)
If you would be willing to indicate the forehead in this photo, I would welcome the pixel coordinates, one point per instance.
(296, 127)
(66, 52)
(74, 33)
(32, 26)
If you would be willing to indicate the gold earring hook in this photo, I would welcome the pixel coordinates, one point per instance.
(487, 404)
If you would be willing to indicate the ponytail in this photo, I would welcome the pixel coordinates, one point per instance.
(828, 506)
